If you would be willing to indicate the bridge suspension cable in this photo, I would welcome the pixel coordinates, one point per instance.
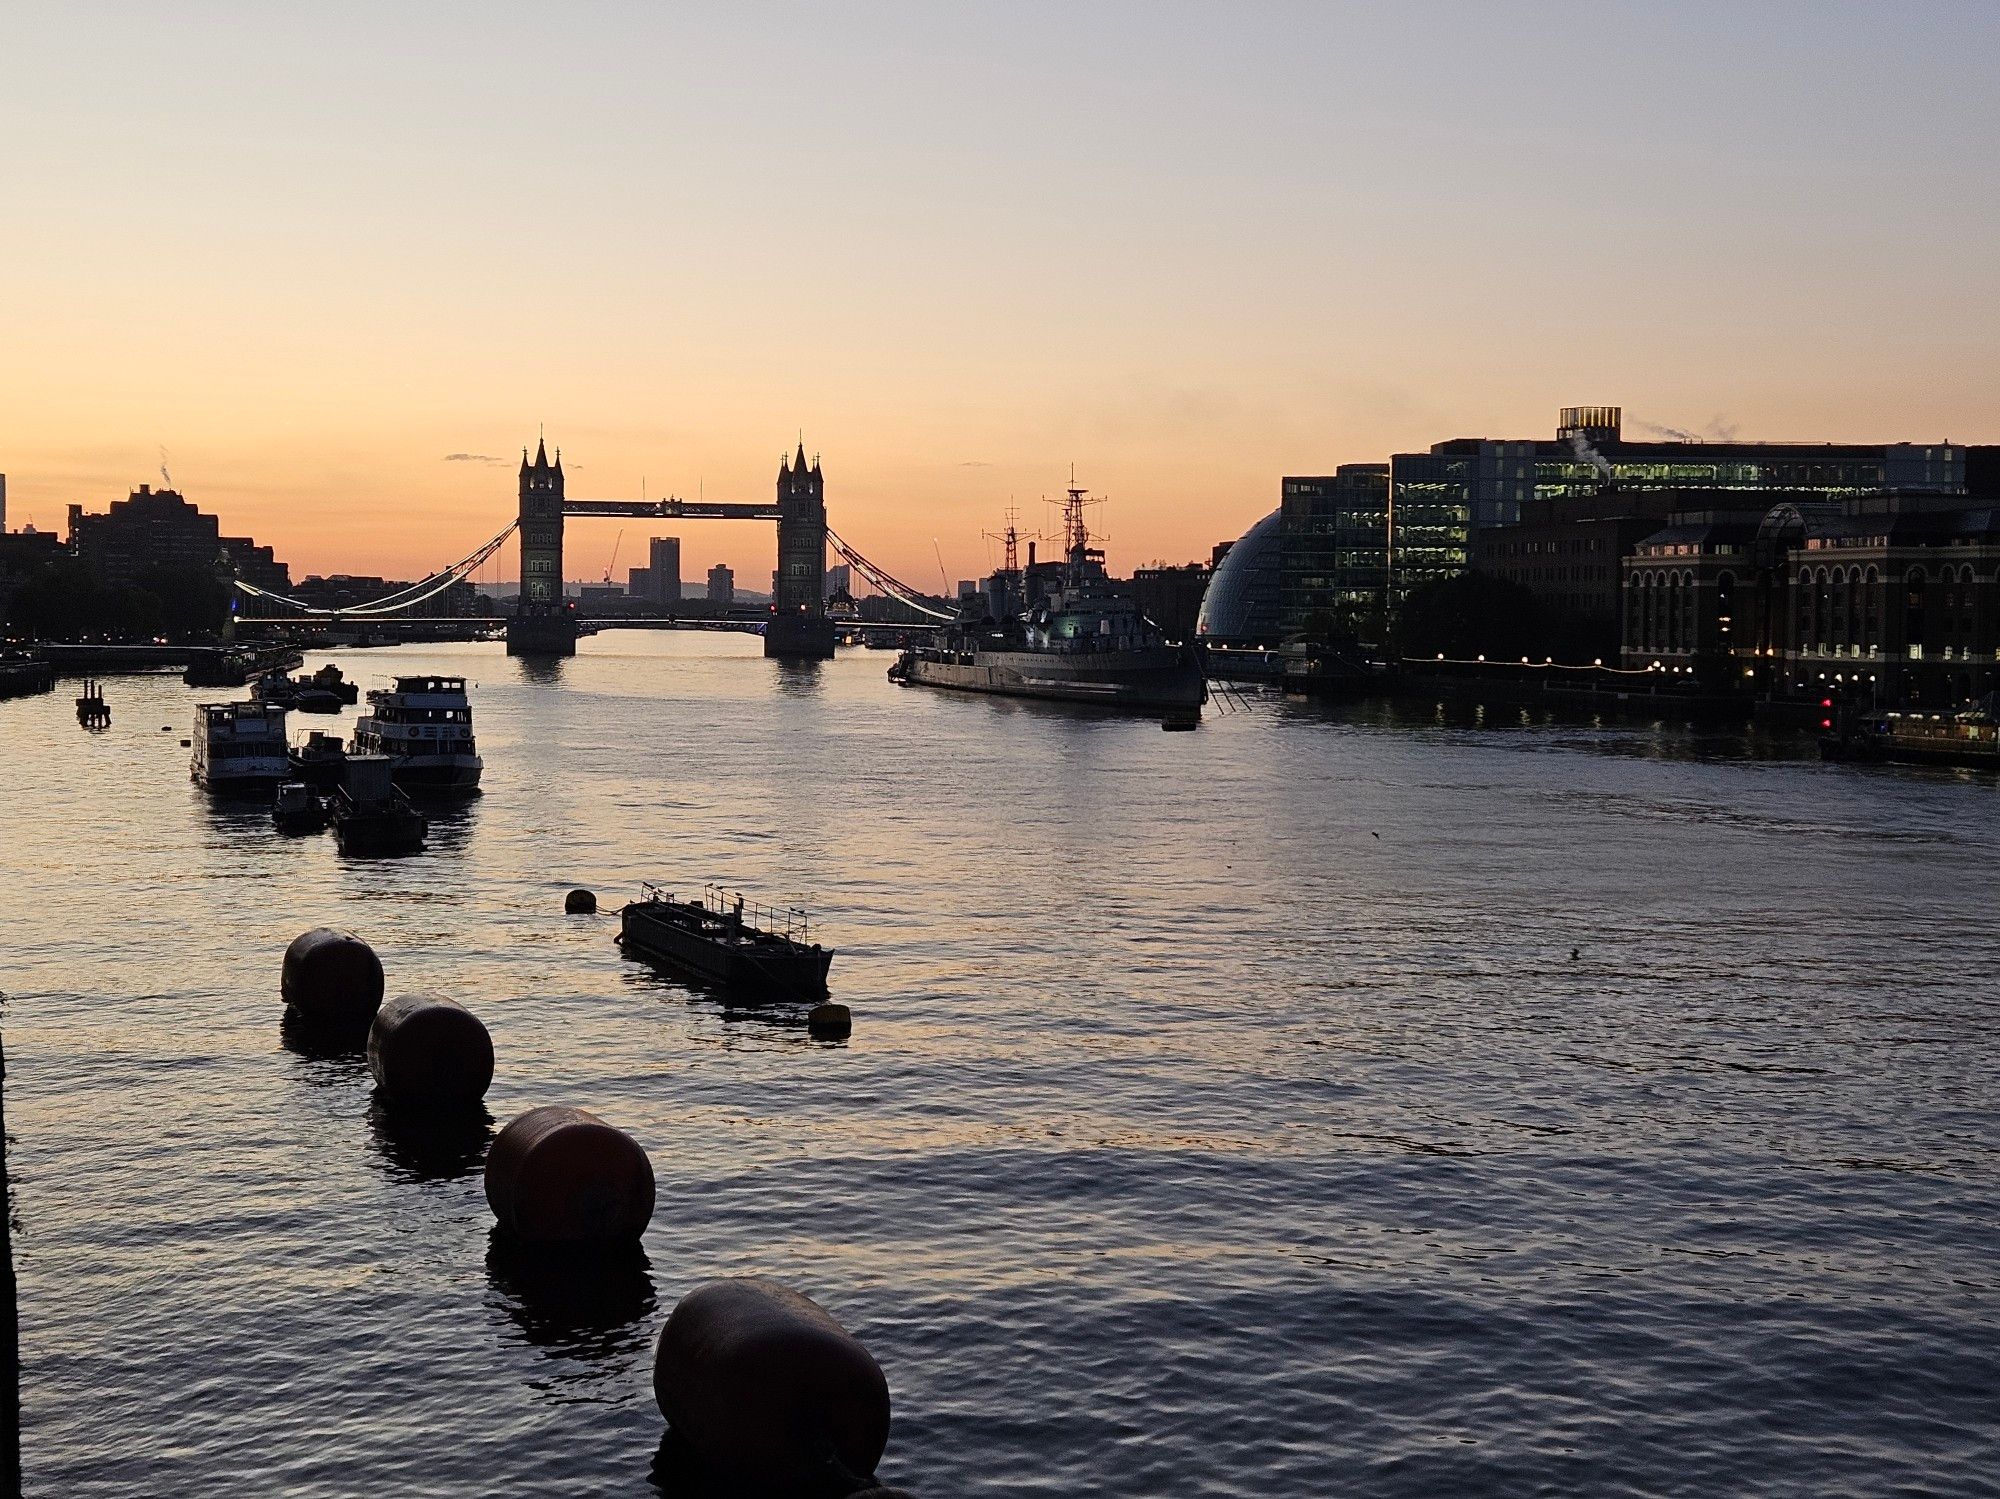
(900, 592)
(398, 601)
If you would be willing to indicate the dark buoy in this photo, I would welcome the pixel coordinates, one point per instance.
(563, 1176)
(332, 981)
(769, 1391)
(830, 1021)
(430, 1053)
(579, 903)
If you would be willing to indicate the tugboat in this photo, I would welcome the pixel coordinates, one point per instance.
(425, 725)
(371, 816)
(239, 747)
(1080, 642)
(298, 809)
(91, 709)
(758, 952)
(319, 761)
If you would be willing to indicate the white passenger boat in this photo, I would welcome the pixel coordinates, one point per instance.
(425, 725)
(239, 747)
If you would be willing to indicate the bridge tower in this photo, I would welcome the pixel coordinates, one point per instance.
(542, 623)
(799, 627)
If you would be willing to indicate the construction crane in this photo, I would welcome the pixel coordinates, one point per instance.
(612, 566)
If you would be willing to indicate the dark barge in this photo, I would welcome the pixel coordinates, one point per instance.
(753, 952)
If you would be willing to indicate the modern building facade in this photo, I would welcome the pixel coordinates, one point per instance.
(1570, 553)
(721, 585)
(1333, 560)
(1440, 500)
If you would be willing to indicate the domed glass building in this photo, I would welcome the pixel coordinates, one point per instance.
(1241, 604)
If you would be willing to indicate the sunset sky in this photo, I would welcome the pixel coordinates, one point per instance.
(313, 252)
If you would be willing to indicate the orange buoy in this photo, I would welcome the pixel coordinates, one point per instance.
(559, 1175)
(428, 1052)
(332, 981)
(769, 1390)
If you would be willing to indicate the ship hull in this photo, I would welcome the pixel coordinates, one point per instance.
(1149, 680)
(438, 775)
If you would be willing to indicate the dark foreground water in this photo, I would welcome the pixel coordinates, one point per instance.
(1225, 1113)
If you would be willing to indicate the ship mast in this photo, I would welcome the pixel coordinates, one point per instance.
(1076, 531)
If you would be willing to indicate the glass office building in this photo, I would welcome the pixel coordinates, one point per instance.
(1334, 553)
(1438, 499)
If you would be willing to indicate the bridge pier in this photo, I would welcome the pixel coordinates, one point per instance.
(799, 637)
(541, 635)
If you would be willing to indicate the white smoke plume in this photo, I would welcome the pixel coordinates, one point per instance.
(1591, 456)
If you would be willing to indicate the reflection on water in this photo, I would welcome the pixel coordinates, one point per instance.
(576, 1301)
(341, 1053)
(799, 680)
(537, 671)
(423, 1147)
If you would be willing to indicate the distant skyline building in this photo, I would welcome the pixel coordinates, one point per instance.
(839, 579)
(151, 529)
(721, 585)
(3, 504)
(664, 563)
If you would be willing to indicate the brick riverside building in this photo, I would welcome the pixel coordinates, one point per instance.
(1895, 594)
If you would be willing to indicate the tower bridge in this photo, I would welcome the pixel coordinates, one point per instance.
(544, 622)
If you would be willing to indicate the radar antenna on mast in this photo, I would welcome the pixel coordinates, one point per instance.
(1010, 538)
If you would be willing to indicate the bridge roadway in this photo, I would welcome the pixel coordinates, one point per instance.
(671, 509)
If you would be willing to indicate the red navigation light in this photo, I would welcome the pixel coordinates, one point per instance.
(1826, 702)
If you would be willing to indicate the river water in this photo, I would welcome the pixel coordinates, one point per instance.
(1323, 1103)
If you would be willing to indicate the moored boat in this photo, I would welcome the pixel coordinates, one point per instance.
(329, 678)
(371, 815)
(425, 725)
(751, 951)
(1970, 739)
(239, 747)
(319, 761)
(298, 808)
